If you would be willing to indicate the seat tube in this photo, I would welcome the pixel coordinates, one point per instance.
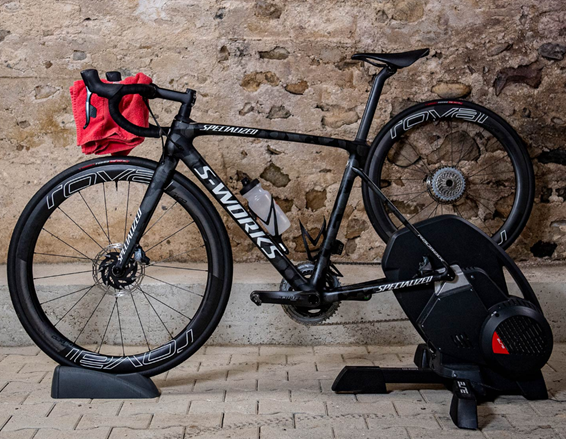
(371, 105)
(318, 277)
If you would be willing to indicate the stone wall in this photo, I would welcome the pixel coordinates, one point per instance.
(285, 65)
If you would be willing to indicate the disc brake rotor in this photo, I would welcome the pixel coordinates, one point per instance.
(108, 281)
(310, 316)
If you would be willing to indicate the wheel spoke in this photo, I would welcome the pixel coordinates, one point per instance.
(62, 256)
(174, 256)
(120, 326)
(172, 285)
(163, 303)
(165, 239)
(479, 216)
(90, 317)
(106, 330)
(106, 212)
(491, 164)
(67, 244)
(83, 230)
(139, 318)
(156, 313)
(93, 215)
(64, 274)
(425, 208)
(160, 218)
(177, 268)
(127, 208)
(76, 303)
(64, 295)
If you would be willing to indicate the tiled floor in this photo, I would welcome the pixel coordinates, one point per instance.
(266, 392)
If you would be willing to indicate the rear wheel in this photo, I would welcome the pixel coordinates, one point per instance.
(451, 157)
(153, 316)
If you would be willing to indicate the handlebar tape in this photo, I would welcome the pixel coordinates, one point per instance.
(114, 93)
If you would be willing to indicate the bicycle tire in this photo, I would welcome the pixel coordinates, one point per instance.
(453, 112)
(155, 361)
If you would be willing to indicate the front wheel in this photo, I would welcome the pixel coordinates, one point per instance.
(451, 157)
(159, 311)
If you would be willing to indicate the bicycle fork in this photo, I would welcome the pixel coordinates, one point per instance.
(160, 181)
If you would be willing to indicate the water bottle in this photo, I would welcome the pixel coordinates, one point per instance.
(264, 206)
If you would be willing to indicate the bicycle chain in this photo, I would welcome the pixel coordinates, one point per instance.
(360, 322)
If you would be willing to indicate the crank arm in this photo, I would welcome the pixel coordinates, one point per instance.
(295, 298)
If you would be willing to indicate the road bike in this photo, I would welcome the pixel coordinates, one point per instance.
(146, 259)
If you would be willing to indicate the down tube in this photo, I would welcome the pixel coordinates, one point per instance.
(230, 203)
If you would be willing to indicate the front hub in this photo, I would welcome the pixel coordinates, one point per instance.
(116, 283)
(446, 185)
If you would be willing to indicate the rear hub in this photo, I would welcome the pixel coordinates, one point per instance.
(446, 185)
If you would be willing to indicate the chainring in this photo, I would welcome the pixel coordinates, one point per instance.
(310, 316)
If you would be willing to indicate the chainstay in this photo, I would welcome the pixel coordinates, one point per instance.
(362, 322)
(355, 263)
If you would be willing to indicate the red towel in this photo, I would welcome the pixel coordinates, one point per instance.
(103, 136)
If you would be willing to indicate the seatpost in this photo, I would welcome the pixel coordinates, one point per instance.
(371, 105)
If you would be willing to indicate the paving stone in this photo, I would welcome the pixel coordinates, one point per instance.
(26, 433)
(18, 422)
(374, 408)
(292, 433)
(423, 433)
(308, 385)
(278, 395)
(211, 386)
(290, 351)
(548, 407)
(278, 391)
(19, 350)
(215, 360)
(65, 408)
(161, 433)
(304, 395)
(526, 432)
(9, 409)
(270, 407)
(558, 421)
(204, 407)
(233, 350)
(179, 407)
(301, 369)
(310, 421)
(395, 395)
(233, 420)
(38, 367)
(4, 419)
(94, 433)
(198, 421)
(243, 359)
(485, 422)
(344, 432)
(239, 433)
(134, 421)
(422, 421)
(340, 350)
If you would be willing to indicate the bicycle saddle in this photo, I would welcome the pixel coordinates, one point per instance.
(395, 60)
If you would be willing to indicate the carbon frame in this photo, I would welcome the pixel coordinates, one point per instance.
(181, 139)
(179, 146)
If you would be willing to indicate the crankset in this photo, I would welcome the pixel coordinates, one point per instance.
(311, 316)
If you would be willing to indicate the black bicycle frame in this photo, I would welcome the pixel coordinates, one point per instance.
(179, 146)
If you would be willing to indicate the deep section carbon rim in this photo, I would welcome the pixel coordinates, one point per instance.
(463, 164)
(93, 317)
